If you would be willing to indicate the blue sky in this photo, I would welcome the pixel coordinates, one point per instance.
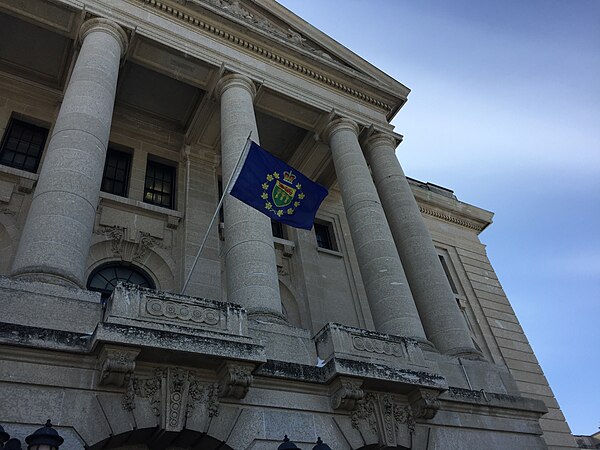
(505, 110)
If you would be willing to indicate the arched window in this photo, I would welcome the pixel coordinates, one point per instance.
(105, 278)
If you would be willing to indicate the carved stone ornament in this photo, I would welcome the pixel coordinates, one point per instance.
(346, 393)
(127, 249)
(173, 394)
(183, 312)
(369, 345)
(424, 403)
(8, 212)
(234, 380)
(117, 365)
(384, 414)
(235, 9)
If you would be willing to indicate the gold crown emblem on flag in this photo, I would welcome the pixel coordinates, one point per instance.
(288, 177)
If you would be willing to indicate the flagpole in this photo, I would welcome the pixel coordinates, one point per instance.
(226, 189)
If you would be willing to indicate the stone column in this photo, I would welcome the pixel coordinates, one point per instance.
(388, 293)
(55, 241)
(249, 253)
(443, 322)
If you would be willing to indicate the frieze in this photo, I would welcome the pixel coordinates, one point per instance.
(365, 344)
(181, 311)
(248, 46)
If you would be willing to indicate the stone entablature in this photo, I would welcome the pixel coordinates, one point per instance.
(442, 204)
(291, 38)
(160, 356)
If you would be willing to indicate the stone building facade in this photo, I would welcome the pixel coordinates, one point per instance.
(383, 327)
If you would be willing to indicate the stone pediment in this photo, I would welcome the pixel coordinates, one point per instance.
(270, 26)
(251, 15)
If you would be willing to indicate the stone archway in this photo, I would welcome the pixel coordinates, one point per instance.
(156, 439)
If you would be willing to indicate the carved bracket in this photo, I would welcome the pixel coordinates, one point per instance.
(385, 415)
(234, 380)
(424, 403)
(173, 393)
(346, 392)
(117, 365)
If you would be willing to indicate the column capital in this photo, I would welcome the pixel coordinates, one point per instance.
(338, 125)
(107, 26)
(379, 139)
(235, 80)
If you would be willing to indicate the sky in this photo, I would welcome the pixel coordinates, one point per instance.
(505, 111)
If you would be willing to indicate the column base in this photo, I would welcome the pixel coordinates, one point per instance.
(425, 345)
(45, 277)
(266, 315)
(466, 353)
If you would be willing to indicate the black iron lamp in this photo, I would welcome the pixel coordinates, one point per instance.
(287, 444)
(13, 444)
(4, 436)
(46, 438)
(321, 445)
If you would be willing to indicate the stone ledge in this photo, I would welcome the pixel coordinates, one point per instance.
(482, 398)
(154, 342)
(54, 290)
(147, 308)
(345, 342)
(374, 376)
(48, 306)
(22, 335)
(297, 372)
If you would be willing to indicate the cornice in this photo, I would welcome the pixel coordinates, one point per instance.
(447, 217)
(441, 203)
(244, 44)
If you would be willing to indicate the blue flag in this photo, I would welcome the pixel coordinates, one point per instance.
(270, 186)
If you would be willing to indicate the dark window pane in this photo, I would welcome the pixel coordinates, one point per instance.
(105, 278)
(114, 181)
(323, 235)
(159, 184)
(447, 272)
(277, 228)
(22, 145)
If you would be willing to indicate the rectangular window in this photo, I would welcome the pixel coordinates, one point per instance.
(324, 235)
(159, 188)
(447, 271)
(277, 228)
(22, 145)
(116, 172)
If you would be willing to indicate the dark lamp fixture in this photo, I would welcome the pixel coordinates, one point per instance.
(46, 438)
(287, 445)
(12, 444)
(321, 446)
(4, 436)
